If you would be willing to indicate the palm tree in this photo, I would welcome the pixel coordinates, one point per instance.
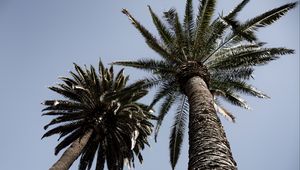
(98, 115)
(203, 60)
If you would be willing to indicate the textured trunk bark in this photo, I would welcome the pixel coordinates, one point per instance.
(208, 146)
(72, 153)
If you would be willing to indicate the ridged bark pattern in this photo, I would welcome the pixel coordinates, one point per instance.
(208, 145)
(72, 153)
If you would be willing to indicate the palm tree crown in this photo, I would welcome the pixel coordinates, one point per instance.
(223, 52)
(103, 104)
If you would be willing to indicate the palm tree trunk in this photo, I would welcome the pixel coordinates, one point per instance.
(72, 153)
(208, 146)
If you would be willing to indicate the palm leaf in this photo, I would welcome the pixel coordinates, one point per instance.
(236, 10)
(88, 154)
(147, 65)
(249, 58)
(150, 39)
(68, 140)
(189, 22)
(224, 112)
(164, 108)
(262, 20)
(69, 127)
(204, 17)
(235, 99)
(163, 31)
(100, 158)
(268, 17)
(165, 89)
(65, 118)
(243, 87)
(177, 131)
(243, 73)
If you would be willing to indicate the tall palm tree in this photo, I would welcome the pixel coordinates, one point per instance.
(98, 115)
(203, 60)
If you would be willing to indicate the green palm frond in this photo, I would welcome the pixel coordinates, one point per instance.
(150, 39)
(262, 20)
(243, 73)
(164, 108)
(204, 18)
(178, 130)
(163, 31)
(213, 36)
(68, 140)
(165, 88)
(189, 22)
(238, 35)
(88, 155)
(148, 65)
(62, 129)
(100, 103)
(233, 14)
(234, 50)
(100, 157)
(249, 58)
(180, 41)
(242, 87)
(268, 17)
(235, 99)
(218, 27)
(224, 112)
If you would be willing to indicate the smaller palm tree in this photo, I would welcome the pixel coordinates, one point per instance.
(98, 115)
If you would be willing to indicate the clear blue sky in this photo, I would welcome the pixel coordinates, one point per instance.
(40, 39)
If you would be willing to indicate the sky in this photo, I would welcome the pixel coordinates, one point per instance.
(40, 39)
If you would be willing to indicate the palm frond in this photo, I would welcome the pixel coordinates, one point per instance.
(66, 118)
(69, 127)
(243, 87)
(62, 105)
(88, 154)
(243, 73)
(120, 81)
(150, 39)
(164, 89)
(236, 10)
(180, 41)
(163, 31)
(189, 24)
(224, 112)
(238, 35)
(100, 158)
(177, 131)
(235, 99)
(68, 140)
(206, 10)
(214, 34)
(234, 50)
(268, 17)
(249, 58)
(70, 94)
(148, 65)
(253, 24)
(164, 108)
